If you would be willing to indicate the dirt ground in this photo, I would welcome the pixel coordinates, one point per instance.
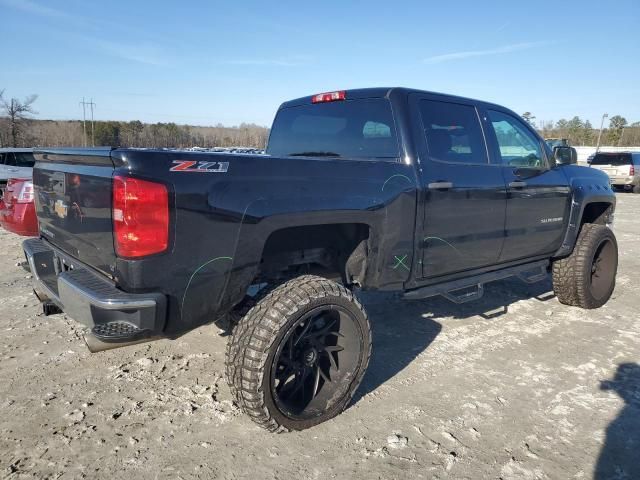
(514, 386)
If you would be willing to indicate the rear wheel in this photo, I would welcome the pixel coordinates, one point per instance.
(297, 357)
(587, 277)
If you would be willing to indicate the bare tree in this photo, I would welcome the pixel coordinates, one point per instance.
(18, 114)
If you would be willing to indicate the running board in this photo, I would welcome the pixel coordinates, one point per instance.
(451, 290)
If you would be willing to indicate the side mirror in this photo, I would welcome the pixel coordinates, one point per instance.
(565, 155)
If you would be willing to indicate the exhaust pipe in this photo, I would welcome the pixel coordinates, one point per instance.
(95, 345)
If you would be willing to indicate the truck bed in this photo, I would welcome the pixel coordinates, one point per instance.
(223, 209)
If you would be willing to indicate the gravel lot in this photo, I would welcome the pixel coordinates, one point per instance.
(512, 386)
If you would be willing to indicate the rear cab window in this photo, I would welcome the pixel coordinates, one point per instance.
(352, 129)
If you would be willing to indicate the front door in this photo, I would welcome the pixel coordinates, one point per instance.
(464, 196)
(538, 193)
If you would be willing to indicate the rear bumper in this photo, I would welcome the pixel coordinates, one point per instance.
(625, 180)
(89, 297)
(19, 218)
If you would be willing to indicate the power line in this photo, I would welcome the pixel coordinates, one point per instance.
(84, 121)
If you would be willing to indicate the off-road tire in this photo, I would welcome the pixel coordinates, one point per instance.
(572, 275)
(234, 318)
(256, 338)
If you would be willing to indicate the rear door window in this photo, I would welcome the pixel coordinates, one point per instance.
(453, 132)
(344, 129)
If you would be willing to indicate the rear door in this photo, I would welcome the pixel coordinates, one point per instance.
(537, 195)
(463, 225)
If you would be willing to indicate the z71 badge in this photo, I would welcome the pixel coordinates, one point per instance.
(199, 167)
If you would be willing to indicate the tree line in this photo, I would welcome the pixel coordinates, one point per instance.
(580, 132)
(137, 134)
(55, 133)
(19, 128)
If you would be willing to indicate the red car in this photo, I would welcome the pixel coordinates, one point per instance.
(17, 209)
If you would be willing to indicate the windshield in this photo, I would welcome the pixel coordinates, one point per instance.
(611, 159)
(345, 129)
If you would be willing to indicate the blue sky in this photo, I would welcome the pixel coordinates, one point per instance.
(204, 62)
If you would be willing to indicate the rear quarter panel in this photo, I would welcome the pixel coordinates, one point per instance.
(222, 220)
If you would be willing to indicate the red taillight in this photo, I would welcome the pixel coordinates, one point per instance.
(632, 171)
(140, 217)
(329, 97)
(25, 194)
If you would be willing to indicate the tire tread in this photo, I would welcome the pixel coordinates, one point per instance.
(254, 336)
(570, 282)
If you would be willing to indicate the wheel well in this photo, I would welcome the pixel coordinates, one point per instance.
(597, 212)
(328, 250)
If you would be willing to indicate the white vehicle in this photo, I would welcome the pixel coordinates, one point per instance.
(623, 168)
(15, 163)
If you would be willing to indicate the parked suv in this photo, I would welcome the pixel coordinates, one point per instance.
(623, 168)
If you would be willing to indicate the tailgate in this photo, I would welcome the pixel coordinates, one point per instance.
(73, 203)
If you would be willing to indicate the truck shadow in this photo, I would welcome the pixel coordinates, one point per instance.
(619, 455)
(402, 329)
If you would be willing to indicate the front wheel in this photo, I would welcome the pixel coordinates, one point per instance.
(296, 359)
(587, 277)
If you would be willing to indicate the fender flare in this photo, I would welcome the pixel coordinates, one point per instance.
(583, 194)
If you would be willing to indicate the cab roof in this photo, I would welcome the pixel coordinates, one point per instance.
(386, 92)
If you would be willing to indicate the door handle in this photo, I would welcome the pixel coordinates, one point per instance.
(440, 185)
(517, 184)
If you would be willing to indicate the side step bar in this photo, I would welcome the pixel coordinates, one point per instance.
(528, 273)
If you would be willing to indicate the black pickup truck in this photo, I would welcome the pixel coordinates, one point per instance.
(376, 189)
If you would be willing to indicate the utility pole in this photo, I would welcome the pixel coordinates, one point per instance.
(93, 137)
(600, 133)
(84, 121)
